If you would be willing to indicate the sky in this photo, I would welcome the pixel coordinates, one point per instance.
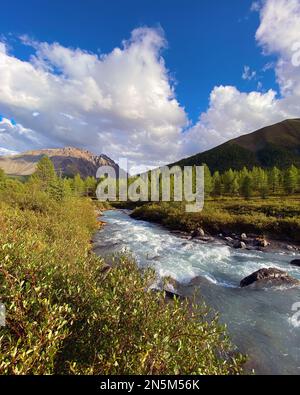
(152, 81)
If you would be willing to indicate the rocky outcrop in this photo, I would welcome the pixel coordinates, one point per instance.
(270, 276)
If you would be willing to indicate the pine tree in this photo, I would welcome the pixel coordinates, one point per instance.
(291, 180)
(235, 185)
(90, 185)
(228, 178)
(78, 185)
(217, 184)
(45, 171)
(247, 187)
(208, 185)
(45, 176)
(274, 180)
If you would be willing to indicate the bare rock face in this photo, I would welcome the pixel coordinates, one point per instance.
(270, 276)
(68, 161)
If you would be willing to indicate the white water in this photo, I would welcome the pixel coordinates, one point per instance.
(259, 320)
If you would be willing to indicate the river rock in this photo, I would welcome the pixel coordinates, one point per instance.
(229, 239)
(271, 275)
(261, 242)
(290, 248)
(199, 232)
(243, 236)
(295, 262)
(239, 244)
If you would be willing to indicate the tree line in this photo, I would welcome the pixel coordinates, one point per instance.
(256, 182)
(244, 183)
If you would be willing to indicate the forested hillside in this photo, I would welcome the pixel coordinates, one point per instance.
(276, 145)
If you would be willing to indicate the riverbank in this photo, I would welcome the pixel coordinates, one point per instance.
(268, 225)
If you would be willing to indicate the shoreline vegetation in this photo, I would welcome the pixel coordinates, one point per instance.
(275, 219)
(259, 202)
(67, 312)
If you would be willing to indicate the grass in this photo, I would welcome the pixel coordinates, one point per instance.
(277, 217)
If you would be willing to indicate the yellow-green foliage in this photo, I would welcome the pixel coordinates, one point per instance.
(67, 315)
(278, 217)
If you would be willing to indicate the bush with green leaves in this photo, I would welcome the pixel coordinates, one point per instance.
(67, 313)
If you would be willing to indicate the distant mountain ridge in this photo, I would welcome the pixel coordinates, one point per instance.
(275, 145)
(68, 161)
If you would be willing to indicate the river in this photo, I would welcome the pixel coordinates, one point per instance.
(259, 320)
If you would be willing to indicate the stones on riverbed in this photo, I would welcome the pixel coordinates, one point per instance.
(243, 236)
(236, 243)
(295, 262)
(239, 244)
(170, 287)
(181, 234)
(153, 257)
(199, 232)
(261, 242)
(269, 276)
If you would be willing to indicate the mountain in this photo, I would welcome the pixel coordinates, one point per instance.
(69, 161)
(276, 145)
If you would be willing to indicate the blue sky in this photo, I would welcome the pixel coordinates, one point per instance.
(209, 42)
(154, 81)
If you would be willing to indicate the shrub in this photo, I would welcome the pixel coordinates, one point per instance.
(67, 315)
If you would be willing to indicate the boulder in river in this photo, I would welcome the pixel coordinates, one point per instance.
(243, 236)
(239, 244)
(199, 232)
(261, 242)
(295, 262)
(271, 276)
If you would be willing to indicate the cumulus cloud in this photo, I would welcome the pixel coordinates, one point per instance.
(122, 103)
(231, 112)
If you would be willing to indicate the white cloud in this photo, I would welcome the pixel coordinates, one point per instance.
(14, 137)
(268, 66)
(231, 112)
(4, 151)
(121, 103)
(255, 6)
(248, 74)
